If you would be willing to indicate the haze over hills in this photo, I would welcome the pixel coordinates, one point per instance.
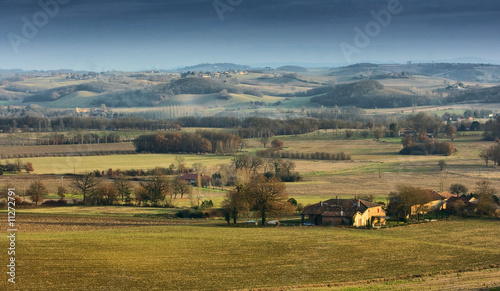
(218, 87)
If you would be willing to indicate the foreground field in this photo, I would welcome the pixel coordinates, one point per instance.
(116, 253)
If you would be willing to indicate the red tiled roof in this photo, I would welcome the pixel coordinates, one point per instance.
(193, 177)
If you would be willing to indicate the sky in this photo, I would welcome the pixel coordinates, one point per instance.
(132, 35)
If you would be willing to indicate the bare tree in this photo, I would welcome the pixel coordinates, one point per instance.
(123, 187)
(37, 191)
(61, 192)
(85, 183)
(277, 144)
(157, 187)
(29, 167)
(450, 131)
(181, 187)
(458, 189)
(264, 140)
(266, 196)
(234, 204)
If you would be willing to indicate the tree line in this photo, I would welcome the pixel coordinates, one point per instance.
(203, 141)
(45, 124)
(272, 153)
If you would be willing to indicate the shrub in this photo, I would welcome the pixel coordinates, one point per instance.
(190, 213)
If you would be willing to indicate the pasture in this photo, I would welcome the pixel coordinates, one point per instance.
(115, 252)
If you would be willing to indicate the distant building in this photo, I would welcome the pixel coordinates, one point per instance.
(354, 212)
(193, 179)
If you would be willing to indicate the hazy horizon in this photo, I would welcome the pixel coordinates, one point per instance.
(136, 35)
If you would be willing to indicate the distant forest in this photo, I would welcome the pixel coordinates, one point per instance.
(486, 95)
(362, 94)
(204, 141)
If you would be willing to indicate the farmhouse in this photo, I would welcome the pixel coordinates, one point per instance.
(354, 212)
(193, 179)
(467, 203)
(436, 202)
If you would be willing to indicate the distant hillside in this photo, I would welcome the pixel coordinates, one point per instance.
(217, 67)
(363, 94)
(59, 92)
(455, 71)
(486, 95)
(153, 95)
(286, 78)
(293, 69)
(360, 66)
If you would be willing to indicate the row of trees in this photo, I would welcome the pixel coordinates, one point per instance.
(16, 166)
(272, 153)
(153, 190)
(491, 154)
(67, 123)
(428, 148)
(182, 142)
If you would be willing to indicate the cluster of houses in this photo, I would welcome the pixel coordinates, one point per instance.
(360, 213)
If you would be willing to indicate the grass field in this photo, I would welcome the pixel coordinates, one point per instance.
(108, 252)
(63, 165)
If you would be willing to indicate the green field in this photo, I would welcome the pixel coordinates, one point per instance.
(69, 251)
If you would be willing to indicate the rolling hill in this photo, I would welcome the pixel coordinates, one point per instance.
(364, 94)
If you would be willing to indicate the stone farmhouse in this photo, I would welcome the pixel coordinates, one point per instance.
(355, 212)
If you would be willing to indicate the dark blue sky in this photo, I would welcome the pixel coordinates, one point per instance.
(160, 34)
